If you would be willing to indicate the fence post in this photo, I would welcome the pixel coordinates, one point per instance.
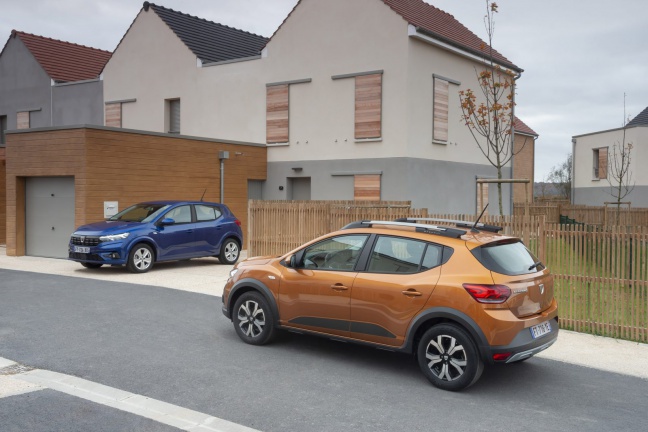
(542, 240)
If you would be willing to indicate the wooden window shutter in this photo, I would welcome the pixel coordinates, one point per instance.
(440, 126)
(174, 116)
(603, 163)
(366, 187)
(368, 106)
(113, 114)
(277, 97)
(22, 120)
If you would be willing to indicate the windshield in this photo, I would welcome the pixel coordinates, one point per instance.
(140, 213)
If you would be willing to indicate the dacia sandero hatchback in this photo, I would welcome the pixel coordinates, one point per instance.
(155, 231)
(456, 298)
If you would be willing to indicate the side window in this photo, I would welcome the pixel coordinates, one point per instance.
(338, 253)
(207, 213)
(433, 257)
(397, 255)
(180, 214)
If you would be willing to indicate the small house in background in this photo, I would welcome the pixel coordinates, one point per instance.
(46, 83)
(594, 155)
(523, 161)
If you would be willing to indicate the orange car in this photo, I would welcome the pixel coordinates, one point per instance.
(456, 297)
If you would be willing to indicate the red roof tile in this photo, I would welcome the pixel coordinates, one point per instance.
(65, 61)
(521, 127)
(445, 27)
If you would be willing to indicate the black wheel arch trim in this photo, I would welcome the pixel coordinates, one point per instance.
(250, 284)
(451, 315)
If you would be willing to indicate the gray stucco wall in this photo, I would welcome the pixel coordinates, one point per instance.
(441, 187)
(24, 85)
(597, 196)
(78, 103)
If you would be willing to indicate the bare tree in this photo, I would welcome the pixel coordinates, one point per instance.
(561, 176)
(490, 119)
(619, 174)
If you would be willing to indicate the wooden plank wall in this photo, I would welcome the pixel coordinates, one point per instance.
(277, 113)
(368, 106)
(111, 165)
(3, 197)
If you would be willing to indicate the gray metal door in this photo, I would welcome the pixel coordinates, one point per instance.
(300, 188)
(49, 216)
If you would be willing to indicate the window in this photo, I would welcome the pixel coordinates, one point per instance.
(22, 120)
(277, 97)
(507, 257)
(440, 122)
(207, 213)
(173, 119)
(180, 214)
(366, 187)
(338, 253)
(368, 106)
(401, 255)
(600, 162)
(3, 128)
(114, 114)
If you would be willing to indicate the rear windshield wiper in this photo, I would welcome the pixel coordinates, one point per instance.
(534, 265)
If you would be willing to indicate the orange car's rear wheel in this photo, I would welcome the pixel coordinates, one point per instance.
(448, 357)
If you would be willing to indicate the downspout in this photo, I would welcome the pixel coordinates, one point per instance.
(572, 199)
(515, 78)
(51, 102)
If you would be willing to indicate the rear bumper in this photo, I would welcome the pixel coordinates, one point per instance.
(524, 345)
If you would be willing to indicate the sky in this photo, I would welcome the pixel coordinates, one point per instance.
(580, 57)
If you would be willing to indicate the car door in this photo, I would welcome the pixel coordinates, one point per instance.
(208, 231)
(400, 276)
(175, 241)
(316, 294)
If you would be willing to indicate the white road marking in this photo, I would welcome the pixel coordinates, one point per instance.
(162, 412)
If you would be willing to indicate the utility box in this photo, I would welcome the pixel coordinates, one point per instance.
(111, 208)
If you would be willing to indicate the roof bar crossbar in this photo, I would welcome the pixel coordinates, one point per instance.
(431, 229)
(459, 223)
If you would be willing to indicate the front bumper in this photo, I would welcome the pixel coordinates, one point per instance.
(104, 253)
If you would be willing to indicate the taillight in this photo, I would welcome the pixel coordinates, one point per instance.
(237, 222)
(488, 293)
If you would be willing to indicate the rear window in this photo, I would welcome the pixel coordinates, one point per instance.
(509, 258)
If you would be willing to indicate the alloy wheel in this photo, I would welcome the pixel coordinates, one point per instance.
(251, 318)
(446, 358)
(142, 258)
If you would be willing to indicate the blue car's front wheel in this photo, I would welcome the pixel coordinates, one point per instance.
(140, 259)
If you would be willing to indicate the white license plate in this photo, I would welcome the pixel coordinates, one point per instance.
(82, 249)
(541, 329)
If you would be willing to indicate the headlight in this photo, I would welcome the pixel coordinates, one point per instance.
(113, 237)
(233, 272)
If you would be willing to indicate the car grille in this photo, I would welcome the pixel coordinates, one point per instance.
(85, 240)
(85, 256)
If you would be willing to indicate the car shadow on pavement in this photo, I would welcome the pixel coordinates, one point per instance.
(158, 267)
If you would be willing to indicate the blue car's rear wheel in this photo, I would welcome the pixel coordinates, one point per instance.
(230, 252)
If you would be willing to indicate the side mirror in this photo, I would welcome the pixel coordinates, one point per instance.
(167, 221)
(292, 263)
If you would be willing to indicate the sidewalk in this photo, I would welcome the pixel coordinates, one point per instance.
(208, 276)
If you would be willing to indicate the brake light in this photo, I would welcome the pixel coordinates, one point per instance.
(237, 222)
(488, 293)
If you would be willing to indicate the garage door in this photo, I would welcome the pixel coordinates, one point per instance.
(49, 215)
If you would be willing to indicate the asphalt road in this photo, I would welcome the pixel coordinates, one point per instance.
(177, 347)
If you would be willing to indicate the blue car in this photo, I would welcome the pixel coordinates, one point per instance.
(159, 231)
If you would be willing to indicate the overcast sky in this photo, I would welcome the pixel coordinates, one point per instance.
(579, 56)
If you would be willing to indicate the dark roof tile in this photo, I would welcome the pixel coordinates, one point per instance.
(65, 61)
(640, 120)
(210, 41)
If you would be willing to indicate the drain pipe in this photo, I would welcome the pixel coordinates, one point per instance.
(515, 78)
(222, 155)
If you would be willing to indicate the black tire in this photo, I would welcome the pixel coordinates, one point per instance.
(230, 252)
(253, 319)
(140, 258)
(91, 265)
(448, 358)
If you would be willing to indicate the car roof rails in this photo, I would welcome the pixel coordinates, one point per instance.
(425, 228)
(458, 223)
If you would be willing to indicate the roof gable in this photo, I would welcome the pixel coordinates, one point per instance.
(445, 27)
(64, 61)
(521, 127)
(640, 120)
(209, 41)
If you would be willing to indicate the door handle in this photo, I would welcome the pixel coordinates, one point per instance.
(339, 287)
(412, 293)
